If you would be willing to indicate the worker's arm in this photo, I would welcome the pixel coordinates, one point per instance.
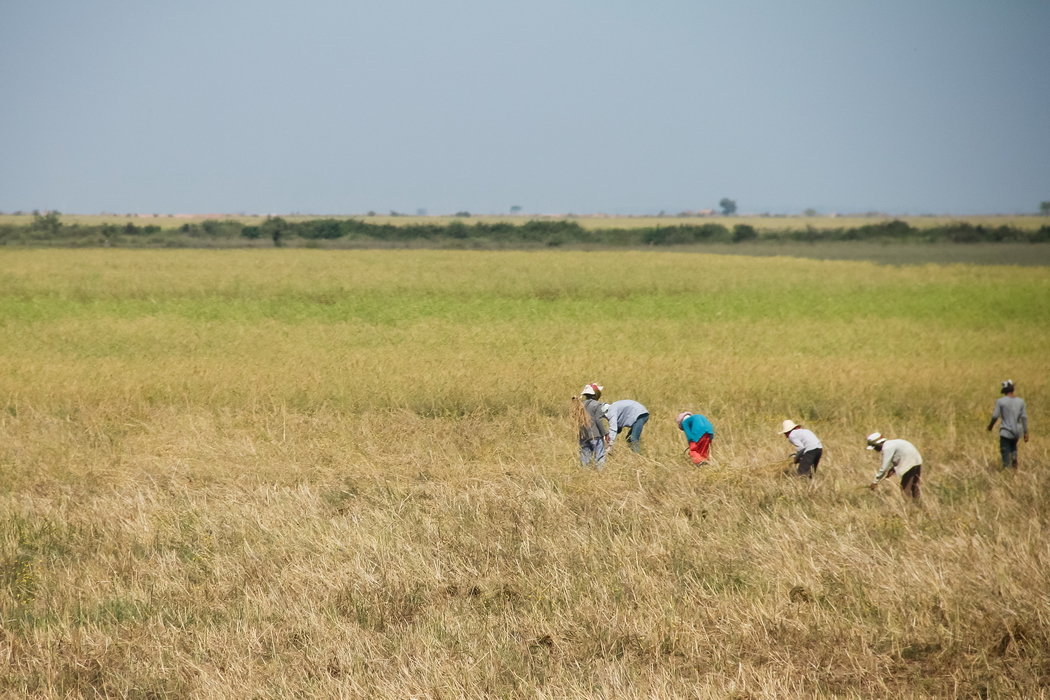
(995, 416)
(887, 465)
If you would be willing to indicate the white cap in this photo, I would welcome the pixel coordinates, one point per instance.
(874, 440)
(788, 426)
(605, 407)
(592, 389)
(1008, 386)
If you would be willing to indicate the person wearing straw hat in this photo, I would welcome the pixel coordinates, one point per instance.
(808, 447)
(593, 428)
(898, 457)
(623, 415)
(1011, 410)
(699, 432)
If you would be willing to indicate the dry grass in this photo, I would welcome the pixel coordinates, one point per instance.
(350, 474)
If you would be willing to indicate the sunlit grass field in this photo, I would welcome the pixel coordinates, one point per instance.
(274, 473)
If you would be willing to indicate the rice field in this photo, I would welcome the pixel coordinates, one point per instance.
(334, 473)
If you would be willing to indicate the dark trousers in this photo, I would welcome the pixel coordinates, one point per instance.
(808, 461)
(1008, 451)
(910, 482)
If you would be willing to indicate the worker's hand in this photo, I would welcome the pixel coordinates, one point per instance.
(872, 485)
(1026, 437)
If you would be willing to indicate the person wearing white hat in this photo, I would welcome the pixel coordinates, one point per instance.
(626, 414)
(698, 433)
(898, 457)
(593, 427)
(1011, 410)
(809, 448)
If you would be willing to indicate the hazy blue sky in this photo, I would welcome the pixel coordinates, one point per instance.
(345, 106)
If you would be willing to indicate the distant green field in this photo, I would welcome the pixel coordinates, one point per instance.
(761, 223)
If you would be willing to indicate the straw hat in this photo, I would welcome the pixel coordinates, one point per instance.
(874, 440)
(788, 426)
(681, 417)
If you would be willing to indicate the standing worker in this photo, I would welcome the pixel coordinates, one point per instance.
(624, 414)
(699, 432)
(593, 428)
(808, 446)
(1011, 410)
(898, 457)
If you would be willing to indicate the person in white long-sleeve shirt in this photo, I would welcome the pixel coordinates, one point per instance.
(809, 448)
(624, 414)
(898, 457)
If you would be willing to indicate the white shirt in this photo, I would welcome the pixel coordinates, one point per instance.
(804, 440)
(899, 455)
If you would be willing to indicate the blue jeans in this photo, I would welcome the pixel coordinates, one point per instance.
(592, 449)
(634, 439)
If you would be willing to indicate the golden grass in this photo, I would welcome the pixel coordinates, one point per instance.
(351, 474)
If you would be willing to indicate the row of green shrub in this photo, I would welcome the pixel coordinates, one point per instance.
(50, 230)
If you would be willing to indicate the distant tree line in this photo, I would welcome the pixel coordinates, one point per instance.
(48, 229)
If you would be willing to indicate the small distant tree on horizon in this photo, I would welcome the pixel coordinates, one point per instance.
(275, 227)
(48, 222)
(728, 206)
(1044, 208)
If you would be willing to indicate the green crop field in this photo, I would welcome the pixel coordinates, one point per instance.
(334, 473)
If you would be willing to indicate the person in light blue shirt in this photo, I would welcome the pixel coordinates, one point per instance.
(627, 414)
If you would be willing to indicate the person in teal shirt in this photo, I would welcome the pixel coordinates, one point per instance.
(699, 432)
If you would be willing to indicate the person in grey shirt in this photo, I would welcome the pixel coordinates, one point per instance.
(593, 428)
(1011, 410)
(624, 414)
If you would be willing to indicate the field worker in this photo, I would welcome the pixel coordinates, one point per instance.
(624, 414)
(699, 432)
(898, 457)
(808, 447)
(1014, 424)
(593, 428)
